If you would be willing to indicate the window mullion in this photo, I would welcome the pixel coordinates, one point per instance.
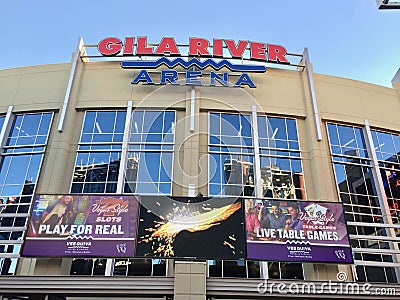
(121, 173)
(6, 126)
(124, 152)
(256, 159)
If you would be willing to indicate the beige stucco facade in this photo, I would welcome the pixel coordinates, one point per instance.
(105, 85)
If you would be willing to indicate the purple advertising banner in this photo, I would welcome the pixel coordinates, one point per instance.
(298, 231)
(82, 226)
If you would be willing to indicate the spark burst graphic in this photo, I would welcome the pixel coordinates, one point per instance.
(162, 234)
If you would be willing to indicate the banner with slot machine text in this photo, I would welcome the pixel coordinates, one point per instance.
(82, 226)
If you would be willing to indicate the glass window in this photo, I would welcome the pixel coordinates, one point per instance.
(291, 270)
(99, 153)
(280, 160)
(19, 170)
(347, 140)
(252, 269)
(103, 127)
(355, 182)
(231, 157)
(2, 118)
(376, 274)
(88, 266)
(234, 268)
(230, 129)
(29, 129)
(140, 267)
(282, 270)
(150, 156)
(387, 147)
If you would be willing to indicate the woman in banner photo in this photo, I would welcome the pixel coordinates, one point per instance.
(252, 222)
(66, 201)
(294, 222)
(55, 217)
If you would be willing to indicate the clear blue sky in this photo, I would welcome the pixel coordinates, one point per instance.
(346, 38)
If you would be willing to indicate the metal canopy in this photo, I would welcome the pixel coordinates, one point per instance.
(388, 4)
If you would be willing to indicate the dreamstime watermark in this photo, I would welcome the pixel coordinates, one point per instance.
(327, 287)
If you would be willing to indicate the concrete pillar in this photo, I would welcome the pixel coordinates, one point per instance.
(26, 266)
(190, 280)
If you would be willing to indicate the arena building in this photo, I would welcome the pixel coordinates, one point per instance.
(198, 121)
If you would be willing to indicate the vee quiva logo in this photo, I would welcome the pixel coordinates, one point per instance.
(197, 48)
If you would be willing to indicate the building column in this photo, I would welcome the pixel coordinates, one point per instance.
(190, 280)
(77, 55)
(258, 188)
(190, 144)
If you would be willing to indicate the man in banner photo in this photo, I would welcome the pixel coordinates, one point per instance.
(297, 231)
(82, 226)
(271, 216)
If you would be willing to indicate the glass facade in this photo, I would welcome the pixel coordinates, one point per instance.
(2, 118)
(150, 155)
(88, 266)
(284, 270)
(387, 148)
(99, 152)
(140, 267)
(357, 190)
(232, 172)
(280, 159)
(21, 160)
(149, 163)
(253, 269)
(231, 155)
